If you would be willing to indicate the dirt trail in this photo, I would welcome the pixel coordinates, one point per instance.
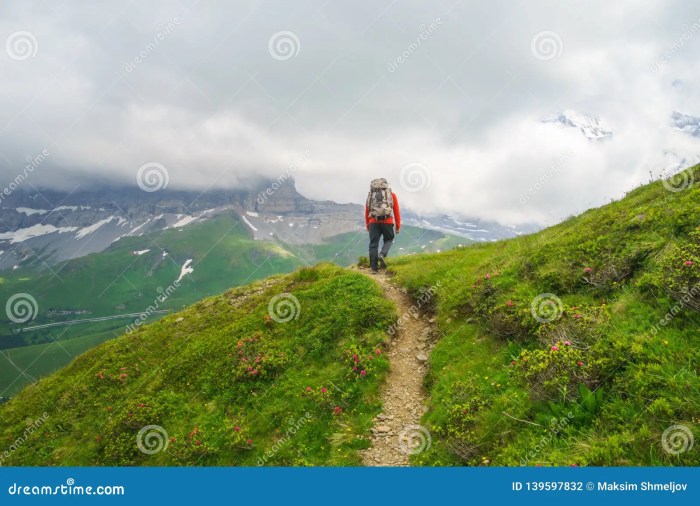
(397, 433)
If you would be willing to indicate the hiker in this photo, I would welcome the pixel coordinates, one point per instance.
(381, 214)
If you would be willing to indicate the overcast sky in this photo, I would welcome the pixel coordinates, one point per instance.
(451, 92)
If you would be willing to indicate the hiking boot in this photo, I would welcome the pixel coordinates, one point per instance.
(382, 263)
(374, 271)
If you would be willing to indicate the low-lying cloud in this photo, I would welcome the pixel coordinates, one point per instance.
(217, 95)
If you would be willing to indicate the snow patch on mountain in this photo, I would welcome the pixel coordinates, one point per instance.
(34, 231)
(249, 224)
(73, 208)
(92, 228)
(29, 211)
(686, 123)
(99, 218)
(472, 228)
(590, 126)
(182, 221)
(186, 269)
(137, 228)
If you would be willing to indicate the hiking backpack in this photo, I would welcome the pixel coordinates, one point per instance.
(380, 203)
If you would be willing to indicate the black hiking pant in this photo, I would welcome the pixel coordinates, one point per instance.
(377, 230)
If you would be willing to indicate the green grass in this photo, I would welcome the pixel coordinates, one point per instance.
(496, 384)
(595, 378)
(344, 249)
(117, 282)
(186, 374)
(22, 366)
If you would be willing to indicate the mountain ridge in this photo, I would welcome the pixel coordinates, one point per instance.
(570, 324)
(50, 227)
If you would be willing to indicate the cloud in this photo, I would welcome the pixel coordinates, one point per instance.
(457, 88)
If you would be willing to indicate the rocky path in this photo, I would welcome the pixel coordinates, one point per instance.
(397, 432)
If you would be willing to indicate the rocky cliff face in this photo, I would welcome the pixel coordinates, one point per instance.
(277, 197)
(48, 227)
(686, 123)
(280, 212)
(57, 226)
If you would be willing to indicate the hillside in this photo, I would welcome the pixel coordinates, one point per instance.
(42, 229)
(607, 300)
(228, 379)
(127, 277)
(577, 345)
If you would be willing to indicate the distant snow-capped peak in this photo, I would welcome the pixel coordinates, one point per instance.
(472, 228)
(590, 126)
(686, 123)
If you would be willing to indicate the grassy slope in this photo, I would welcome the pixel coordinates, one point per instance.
(24, 365)
(345, 248)
(117, 282)
(188, 377)
(495, 382)
(617, 270)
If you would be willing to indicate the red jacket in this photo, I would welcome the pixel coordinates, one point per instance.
(394, 219)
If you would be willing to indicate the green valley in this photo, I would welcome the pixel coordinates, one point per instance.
(136, 272)
(574, 346)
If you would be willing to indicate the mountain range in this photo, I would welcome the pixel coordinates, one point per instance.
(573, 346)
(43, 228)
(686, 123)
(89, 264)
(593, 128)
(590, 126)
